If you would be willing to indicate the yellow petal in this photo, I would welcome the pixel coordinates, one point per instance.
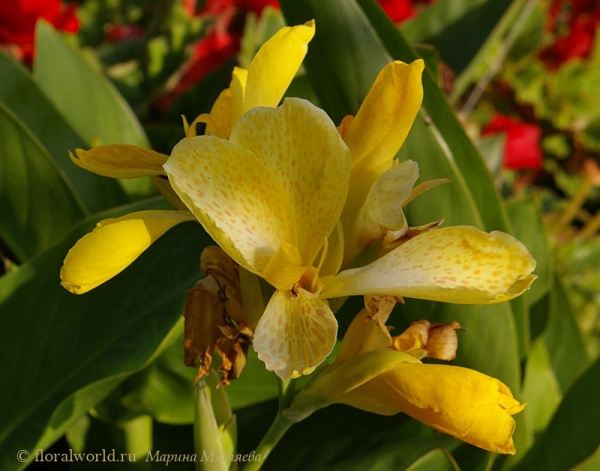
(285, 267)
(381, 125)
(464, 403)
(301, 145)
(337, 383)
(221, 116)
(456, 264)
(281, 178)
(238, 91)
(367, 332)
(238, 200)
(113, 245)
(387, 113)
(275, 65)
(295, 334)
(120, 161)
(382, 209)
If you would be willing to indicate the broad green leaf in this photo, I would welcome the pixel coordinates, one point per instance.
(64, 352)
(529, 228)
(39, 206)
(23, 97)
(451, 201)
(457, 28)
(87, 100)
(573, 433)
(254, 385)
(563, 338)
(165, 388)
(542, 394)
(540, 388)
(436, 459)
(590, 464)
(340, 438)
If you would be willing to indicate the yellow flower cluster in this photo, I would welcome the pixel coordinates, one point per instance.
(295, 200)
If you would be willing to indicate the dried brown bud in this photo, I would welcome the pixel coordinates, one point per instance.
(214, 318)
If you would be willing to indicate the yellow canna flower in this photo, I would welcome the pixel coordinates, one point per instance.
(270, 195)
(372, 374)
(111, 247)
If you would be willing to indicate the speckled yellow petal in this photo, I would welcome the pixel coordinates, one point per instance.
(464, 403)
(285, 267)
(240, 202)
(456, 264)
(275, 65)
(120, 161)
(113, 245)
(295, 334)
(300, 144)
(381, 125)
(382, 209)
(221, 115)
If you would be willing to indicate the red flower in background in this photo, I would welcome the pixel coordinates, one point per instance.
(223, 38)
(575, 23)
(18, 19)
(522, 147)
(401, 10)
(222, 42)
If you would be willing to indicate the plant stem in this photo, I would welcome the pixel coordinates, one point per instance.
(278, 428)
(138, 438)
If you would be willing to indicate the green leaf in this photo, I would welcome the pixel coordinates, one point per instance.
(165, 388)
(63, 353)
(528, 226)
(23, 97)
(436, 459)
(457, 28)
(254, 385)
(573, 434)
(540, 388)
(38, 204)
(82, 94)
(563, 338)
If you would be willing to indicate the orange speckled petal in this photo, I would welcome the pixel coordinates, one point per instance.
(300, 144)
(295, 334)
(239, 201)
(456, 264)
(275, 65)
(120, 161)
(113, 245)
